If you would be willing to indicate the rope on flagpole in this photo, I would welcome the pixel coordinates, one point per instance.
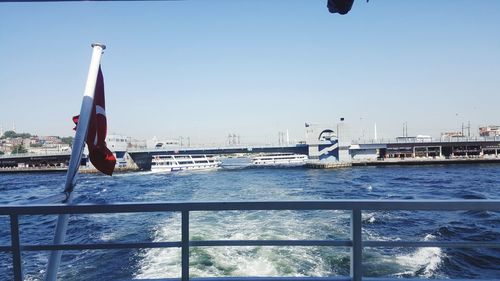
(76, 157)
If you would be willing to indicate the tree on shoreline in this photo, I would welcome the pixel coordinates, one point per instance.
(67, 140)
(12, 135)
(18, 149)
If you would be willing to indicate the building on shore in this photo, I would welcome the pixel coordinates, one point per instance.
(489, 131)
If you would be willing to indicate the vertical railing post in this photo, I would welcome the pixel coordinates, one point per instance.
(185, 245)
(357, 246)
(16, 248)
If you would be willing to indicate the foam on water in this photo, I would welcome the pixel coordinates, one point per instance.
(165, 262)
(132, 174)
(423, 262)
(243, 261)
(368, 217)
(440, 182)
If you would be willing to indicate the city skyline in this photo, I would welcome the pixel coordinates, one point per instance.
(283, 137)
(206, 69)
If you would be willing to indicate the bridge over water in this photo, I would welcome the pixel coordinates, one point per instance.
(31, 160)
(143, 157)
(363, 152)
(321, 143)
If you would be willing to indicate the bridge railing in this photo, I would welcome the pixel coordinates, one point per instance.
(37, 154)
(356, 243)
(429, 141)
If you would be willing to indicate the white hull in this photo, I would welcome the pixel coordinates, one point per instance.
(280, 160)
(172, 163)
(185, 168)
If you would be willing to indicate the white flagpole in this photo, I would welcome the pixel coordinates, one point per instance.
(76, 157)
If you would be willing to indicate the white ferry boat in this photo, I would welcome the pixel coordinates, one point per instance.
(172, 163)
(280, 159)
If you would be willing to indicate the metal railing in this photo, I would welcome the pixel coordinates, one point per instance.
(36, 154)
(355, 243)
(431, 141)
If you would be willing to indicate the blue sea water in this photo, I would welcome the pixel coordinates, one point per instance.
(234, 184)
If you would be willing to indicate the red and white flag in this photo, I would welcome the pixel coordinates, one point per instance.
(100, 156)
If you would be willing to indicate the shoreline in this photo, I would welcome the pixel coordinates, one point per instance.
(319, 165)
(54, 170)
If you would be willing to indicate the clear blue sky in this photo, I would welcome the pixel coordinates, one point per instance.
(208, 68)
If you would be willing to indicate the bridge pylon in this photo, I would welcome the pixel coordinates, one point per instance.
(328, 142)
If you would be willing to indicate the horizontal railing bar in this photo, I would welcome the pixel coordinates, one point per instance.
(419, 279)
(101, 246)
(301, 278)
(232, 243)
(339, 278)
(424, 205)
(5, 249)
(437, 244)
